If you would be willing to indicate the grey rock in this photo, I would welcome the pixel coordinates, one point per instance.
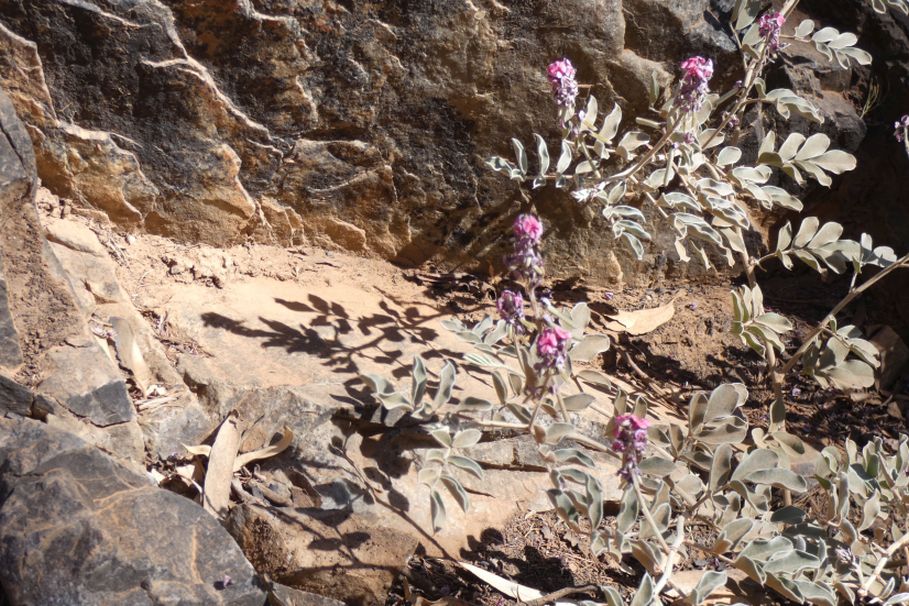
(78, 528)
(15, 397)
(282, 595)
(85, 382)
(10, 352)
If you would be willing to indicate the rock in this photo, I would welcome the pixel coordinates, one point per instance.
(84, 381)
(366, 127)
(15, 397)
(10, 352)
(74, 236)
(323, 551)
(38, 302)
(282, 595)
(136, 544)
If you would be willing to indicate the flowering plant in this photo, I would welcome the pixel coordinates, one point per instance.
(681, 170)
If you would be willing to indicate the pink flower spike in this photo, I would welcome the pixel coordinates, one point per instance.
(528, 227)
(630, 420)
(698, 68)
(561, 75)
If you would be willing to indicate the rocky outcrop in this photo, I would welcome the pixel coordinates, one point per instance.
(360, 126)
(78, 528)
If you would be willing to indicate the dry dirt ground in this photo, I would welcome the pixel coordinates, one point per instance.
(350, 314)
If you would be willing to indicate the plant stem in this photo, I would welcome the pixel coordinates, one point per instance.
(669, 560)
(790, 364)
(645, 509)
(561, 593)
(904, 540)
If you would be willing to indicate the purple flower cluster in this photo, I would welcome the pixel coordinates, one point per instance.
(510, 306)
(564, 86)
(696, 73)
(769, 27)
(630, 440)
(552, 347)
(526, 262)
(900, 128)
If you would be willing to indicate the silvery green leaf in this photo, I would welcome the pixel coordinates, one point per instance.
(543, 153)
(871, 511)
(590, 114)
(804, 28)
(788, 515)
(782, 198)
(418, 378)
(724, 400)
(745, 12)
(780, 478)
(628, 512)
(685, 221)
(565, 158)
(457, 491)
(720, 467)
(501, 386)
(728, 155)
(898, 598)
(851, 374)
(446, 384)
(627, 226)
(786, 101)
(679, 200)
(467, 464)
(392, 401)
(806, 231)
(732, 534)
(657, 466)
(636, 245)
(428, 475)
(754, 570)
(735, 240)
(710, 582)
(611, 124)
(627, 212)
(578, 401)
(377, 384)
(499, 164)
(557, 431)
(438, 510)
(630, 142)
(644, 595)
(732, 430)
(614, 598)
(442, 436)
(466, 438)
(484, 360)
(719, 188)
(573, 456)
(653, 91)
(584, 167)
(647, 123)
(589, 348)
(594, 378)
(758, 459)
(520, 155)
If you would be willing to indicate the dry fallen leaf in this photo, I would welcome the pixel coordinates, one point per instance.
(642, 321)
(509, 588)
(130, 354)
(269, 451)
(220, 470)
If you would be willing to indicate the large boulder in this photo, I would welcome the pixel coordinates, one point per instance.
(78, 528)
(360, 126)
